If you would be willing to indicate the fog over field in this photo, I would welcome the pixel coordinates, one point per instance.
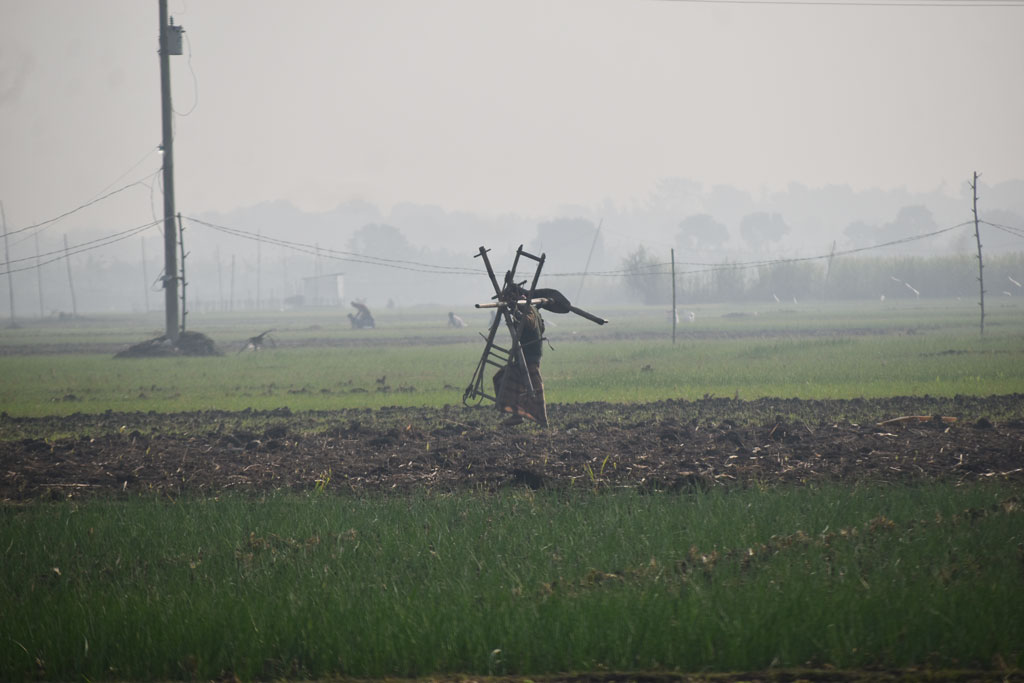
(386, 141)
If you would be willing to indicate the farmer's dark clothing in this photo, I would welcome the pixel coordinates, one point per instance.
(510, 383)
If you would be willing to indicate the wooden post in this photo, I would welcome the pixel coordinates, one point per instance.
(674, 296)
(71, 284)
(977, 237)
(597, 233)
(259, 265)
(7, 256)
(284, 276)
(220, 281)
(145, 277)
(181, 242)
(828, 271)
(39, 279)
(6, 251)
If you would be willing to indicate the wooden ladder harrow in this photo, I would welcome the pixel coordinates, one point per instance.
(510, 298)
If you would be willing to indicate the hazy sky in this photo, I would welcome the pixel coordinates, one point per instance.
(498, 106)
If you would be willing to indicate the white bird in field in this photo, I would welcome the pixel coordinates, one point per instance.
(1013, 281)
(911, 288)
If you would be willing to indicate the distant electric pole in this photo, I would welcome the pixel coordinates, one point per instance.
(170, 43)
(39, 278)
(71, 282)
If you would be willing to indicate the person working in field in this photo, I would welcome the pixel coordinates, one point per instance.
(518, 387)
(511, 386)
(363, 318)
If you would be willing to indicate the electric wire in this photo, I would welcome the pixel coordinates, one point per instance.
(1019, 232)
(642, 270)
(327, 252)
(863, 3)
(195, 81)
(81, 207)
(138, 163)
(339, 255)
(646, 269)
(655, 268)
(112, 238)
(79, 248)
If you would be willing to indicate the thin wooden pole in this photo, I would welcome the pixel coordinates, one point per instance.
(284, 276)
(71, 283)
(828, 271)
(7, 256)
(259, 265)
(39, 279)
(181, 243)
(220, 281)
(597, 233)
(145, 277)
(977, 237)
(674, 296)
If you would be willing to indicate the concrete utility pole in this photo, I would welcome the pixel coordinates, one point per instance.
(170, 229)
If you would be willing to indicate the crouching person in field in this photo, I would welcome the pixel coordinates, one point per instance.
(510, 383)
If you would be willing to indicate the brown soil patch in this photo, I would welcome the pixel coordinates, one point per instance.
(664, 446)
(187, 344)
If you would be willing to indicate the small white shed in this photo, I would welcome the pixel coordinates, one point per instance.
(324, 290)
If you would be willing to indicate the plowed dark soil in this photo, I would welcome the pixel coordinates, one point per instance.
(670, 445)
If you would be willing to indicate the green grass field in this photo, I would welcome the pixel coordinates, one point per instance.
(516, 583)
(809, 354)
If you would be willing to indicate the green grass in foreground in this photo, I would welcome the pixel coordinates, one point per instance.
(516, 583)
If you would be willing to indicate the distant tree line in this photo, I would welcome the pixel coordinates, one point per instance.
(647, 277)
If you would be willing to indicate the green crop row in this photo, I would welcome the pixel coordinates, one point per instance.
(937, 362)
(413, 325)
(512, 583)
